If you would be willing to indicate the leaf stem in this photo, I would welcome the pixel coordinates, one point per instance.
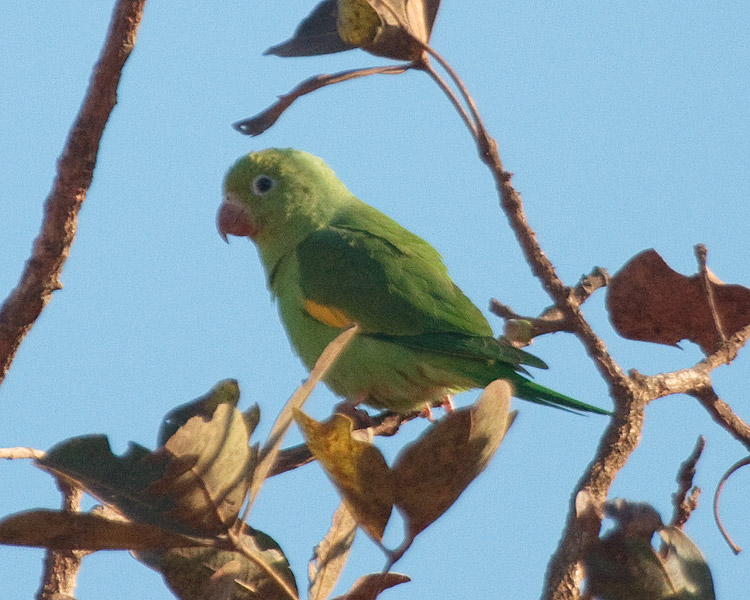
(270, 450)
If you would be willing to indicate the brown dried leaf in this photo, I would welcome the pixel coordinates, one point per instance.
(60, 530)
(331, 554)
(430, 474)
(356, 468)
(403, 24)
(368, 587)
(650, 302)
(204, 573)
(208, 472)
(382, 27)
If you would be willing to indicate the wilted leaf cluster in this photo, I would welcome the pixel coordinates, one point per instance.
(177, 504)
(623, 564)
(428, 475)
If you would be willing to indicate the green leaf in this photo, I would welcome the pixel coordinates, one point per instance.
(188, 571)
(59, 530)
(430, 474)
(356, 468)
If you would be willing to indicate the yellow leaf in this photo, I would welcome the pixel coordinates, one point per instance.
(356, 468)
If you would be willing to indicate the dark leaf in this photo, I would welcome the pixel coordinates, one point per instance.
(622, 568)
(316, 34)
(188, 571)
(60, 530)
(386, 28)
(623, 565)
(209, 471)
(120, 481)
(430, 474)
(195, 484)
(369, 586)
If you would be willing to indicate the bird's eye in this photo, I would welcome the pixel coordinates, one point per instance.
(263, 184)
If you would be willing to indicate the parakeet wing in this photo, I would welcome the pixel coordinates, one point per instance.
(395, 285)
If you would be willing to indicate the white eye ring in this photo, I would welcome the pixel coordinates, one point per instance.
(263, 184)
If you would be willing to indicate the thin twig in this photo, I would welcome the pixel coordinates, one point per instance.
(476, 117)
(552, 319)
(427, 68)
(701, 253)
(263, 120)
(739, 464)
(75, 170)
(685, 504)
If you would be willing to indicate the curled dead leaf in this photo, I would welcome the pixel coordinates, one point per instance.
(650, 302)
(394, 29)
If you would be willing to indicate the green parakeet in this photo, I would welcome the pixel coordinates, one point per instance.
(331, 260)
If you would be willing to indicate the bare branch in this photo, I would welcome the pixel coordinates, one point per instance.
(61, 566)
(723, 414)
(552, 319)
(20, 452)
(427, 68)
(685, 504)
(75, 170)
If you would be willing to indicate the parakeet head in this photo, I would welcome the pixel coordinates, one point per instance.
(277, 197)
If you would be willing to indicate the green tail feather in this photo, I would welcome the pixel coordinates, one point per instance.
(533, 392)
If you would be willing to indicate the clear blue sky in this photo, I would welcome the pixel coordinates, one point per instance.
(627, 127)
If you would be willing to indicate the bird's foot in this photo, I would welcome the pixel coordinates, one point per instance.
(447, 403)
(426, 412)
(349, 408)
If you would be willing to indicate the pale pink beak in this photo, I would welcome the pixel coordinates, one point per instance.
(232, 219)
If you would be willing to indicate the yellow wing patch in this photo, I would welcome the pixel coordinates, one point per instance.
(328, 315)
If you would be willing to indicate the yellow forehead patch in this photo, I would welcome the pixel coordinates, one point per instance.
(328, 315)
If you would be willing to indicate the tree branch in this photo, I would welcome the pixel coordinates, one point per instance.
(552, 319)
(75, 170)
(61, 566)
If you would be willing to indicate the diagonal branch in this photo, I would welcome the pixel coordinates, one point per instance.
(75, 169)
